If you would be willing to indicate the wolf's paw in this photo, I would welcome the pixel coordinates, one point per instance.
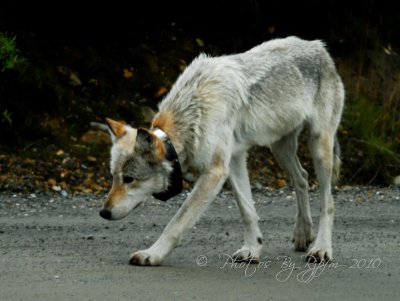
(247, 254)
(319, 253)
(303, 236)
(144, 258)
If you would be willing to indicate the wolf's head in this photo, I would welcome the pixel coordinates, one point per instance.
(140, 166)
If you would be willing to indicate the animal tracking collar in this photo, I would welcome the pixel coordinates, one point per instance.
(175, 184)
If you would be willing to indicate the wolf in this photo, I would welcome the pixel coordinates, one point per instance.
(217, 109)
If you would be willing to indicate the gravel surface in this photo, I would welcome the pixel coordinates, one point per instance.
(55, 247)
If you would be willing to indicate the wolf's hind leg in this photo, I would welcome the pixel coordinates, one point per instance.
(284, 151)
(321, 147)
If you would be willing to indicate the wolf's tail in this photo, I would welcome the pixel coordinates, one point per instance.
(336, 161)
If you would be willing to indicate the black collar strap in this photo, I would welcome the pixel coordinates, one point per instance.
(175, 184)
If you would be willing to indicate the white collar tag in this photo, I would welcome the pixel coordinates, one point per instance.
(160, 134)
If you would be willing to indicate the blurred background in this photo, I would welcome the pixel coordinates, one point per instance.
(66, 64)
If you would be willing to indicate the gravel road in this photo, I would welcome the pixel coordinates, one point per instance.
(58, 248)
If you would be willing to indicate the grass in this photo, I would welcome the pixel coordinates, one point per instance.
(9, 59)
(372, 117)
(6, 117)
(9, 53)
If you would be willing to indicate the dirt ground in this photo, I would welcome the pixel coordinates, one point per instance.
(58, 248)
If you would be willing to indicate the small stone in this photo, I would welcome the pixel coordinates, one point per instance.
(89, 237)
(397, 181)
(258, 185)
(56, 188)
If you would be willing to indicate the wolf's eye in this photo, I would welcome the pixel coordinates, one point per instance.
(127, 179)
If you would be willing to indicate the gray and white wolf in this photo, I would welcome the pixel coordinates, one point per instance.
(217, 109)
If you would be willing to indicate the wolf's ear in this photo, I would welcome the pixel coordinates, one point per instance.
(116, 129)
(149, 145)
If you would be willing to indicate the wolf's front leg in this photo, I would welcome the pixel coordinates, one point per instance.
(239, 178)
(205, 190)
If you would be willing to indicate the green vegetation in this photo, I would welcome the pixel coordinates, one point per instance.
(372, 113)
(10, 59)
(6, 117)
(9, 53)
(375, 136)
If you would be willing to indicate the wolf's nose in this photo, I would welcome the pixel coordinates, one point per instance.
(105, 213)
